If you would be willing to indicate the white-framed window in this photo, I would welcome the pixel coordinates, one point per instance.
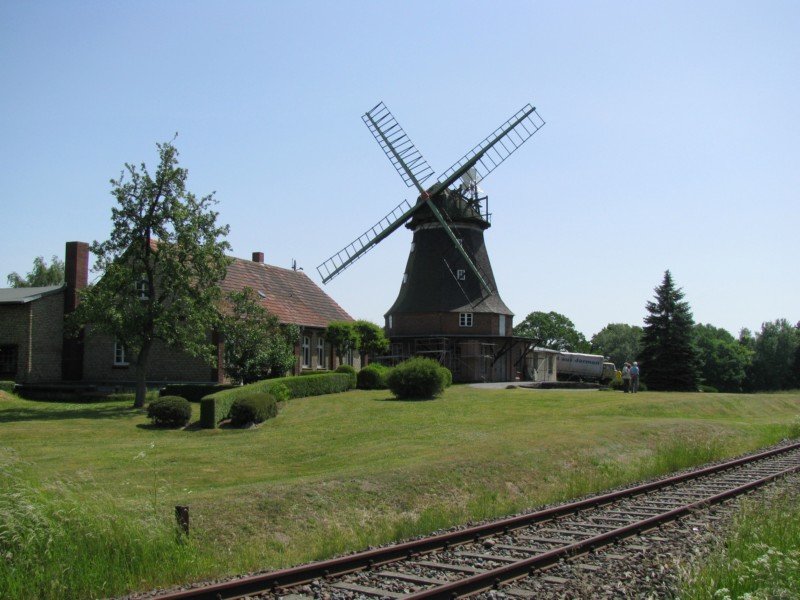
(120, 354)
(390, 321)
(461, 274)
(405, 277)
(142, 289)
(348, 357)
(465, 319)
(306, 351)
(502, 328)
(320, 353)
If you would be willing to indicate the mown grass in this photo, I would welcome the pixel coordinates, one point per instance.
(332, 474)
(760, 559)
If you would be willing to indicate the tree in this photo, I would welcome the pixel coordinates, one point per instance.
(161, 267)
(42, 275)
(723, 360)
(342, 335)
(669, 358)
(553, 330)
(774, 351)
(372, 340)
(620, 342)
(257, 345)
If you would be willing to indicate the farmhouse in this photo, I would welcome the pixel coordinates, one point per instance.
(34, 349)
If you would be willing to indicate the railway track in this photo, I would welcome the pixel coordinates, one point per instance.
(495, 554)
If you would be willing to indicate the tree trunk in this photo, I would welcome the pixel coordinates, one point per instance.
(141, 375)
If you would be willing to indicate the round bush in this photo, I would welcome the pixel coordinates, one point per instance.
(254, 408)
(280, 392)
(446, 375)
(350, 371)
(373, 377)
(170, 411)
(417, 378)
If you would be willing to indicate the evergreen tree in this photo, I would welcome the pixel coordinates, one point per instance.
(669, 358)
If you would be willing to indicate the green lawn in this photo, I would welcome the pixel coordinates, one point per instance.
(340, 472)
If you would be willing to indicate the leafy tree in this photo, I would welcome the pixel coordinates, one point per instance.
(372, 340)
(257, 346)
(723, 360)
(161, 267)
(342, 335)
(669, 358)
(42, 274)
(553, 330)
(775, 348)
(620, 342)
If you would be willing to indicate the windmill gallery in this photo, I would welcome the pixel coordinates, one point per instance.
(448, 307)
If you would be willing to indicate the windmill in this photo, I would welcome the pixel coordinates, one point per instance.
(448, 287)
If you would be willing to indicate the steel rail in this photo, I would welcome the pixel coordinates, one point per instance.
(362, 560)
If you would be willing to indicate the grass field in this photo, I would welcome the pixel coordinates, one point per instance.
(329, 474)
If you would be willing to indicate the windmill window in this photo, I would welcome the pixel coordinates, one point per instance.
(465, 319)
(120, 354)
(143, 289)
(306, 351)
(320, 353)
(405, 277)
(390, 321)
(461, 274)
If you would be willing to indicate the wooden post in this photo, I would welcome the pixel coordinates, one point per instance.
(182, 516)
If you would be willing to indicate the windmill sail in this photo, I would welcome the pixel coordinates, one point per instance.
(397, 146)
(497, 147)
(365, 242)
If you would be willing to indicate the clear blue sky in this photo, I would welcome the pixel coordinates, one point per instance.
(671, 139)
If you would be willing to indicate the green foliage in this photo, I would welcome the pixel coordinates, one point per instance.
(552, 330)
(257, 346)
(446, 376)
(216, 407)
(170, 411)
(669, 359)
(255, 408)
(372, 341)
(193, 392)
(280, 392)
(7, 386)
(351, 372)
(775, 350)
(342, 335)
(723, 360)
(161, 267)
(620, 342)
(373, 377)
(417, 378)
(42, 275)
(707, 389)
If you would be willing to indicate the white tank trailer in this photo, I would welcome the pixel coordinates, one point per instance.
(573, 366)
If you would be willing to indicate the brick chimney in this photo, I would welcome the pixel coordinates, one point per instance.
(76, 272)
(258, 257)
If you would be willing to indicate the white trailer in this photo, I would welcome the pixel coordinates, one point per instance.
(574, 366)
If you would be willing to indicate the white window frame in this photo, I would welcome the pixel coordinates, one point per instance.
(320, 353)
(465, 319)
(390, 321)
(501, 330)
(461, 274)
(120, 354)
(306, 352)
(142, 289)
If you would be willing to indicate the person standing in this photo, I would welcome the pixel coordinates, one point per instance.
(626, 378)
(635, 377)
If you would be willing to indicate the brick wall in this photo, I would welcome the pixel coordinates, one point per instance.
(15, 330)
(36, 328)
(447, 323)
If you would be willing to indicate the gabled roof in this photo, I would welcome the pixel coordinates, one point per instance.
(23, 295)
(288, 294)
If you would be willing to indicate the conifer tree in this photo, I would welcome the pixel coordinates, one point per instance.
(669, 358)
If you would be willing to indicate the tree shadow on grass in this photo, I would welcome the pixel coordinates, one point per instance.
(54, 412)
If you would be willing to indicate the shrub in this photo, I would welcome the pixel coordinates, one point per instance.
(193, 392)
(215, 407)
(7, 386)
(255, 408)
(280, 392)
(373, 377)
(417, 378)
(446, 375)
(170, 411)
(708, 389)
(350, 371)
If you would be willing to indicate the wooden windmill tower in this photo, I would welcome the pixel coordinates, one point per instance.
(448, 306)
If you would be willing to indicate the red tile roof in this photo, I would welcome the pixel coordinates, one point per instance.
(290, 295)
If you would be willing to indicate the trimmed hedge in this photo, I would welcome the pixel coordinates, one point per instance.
(350, 371)
(373, 377)
(418, 378)
(7, 386)
(254, 408)
(193, 392)
(216, 407)
(170, 411)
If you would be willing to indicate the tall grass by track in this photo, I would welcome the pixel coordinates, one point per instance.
(760, 559)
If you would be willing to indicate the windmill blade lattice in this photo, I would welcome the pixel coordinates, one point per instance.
(365, 242)
(496, 148)
(397, 146)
